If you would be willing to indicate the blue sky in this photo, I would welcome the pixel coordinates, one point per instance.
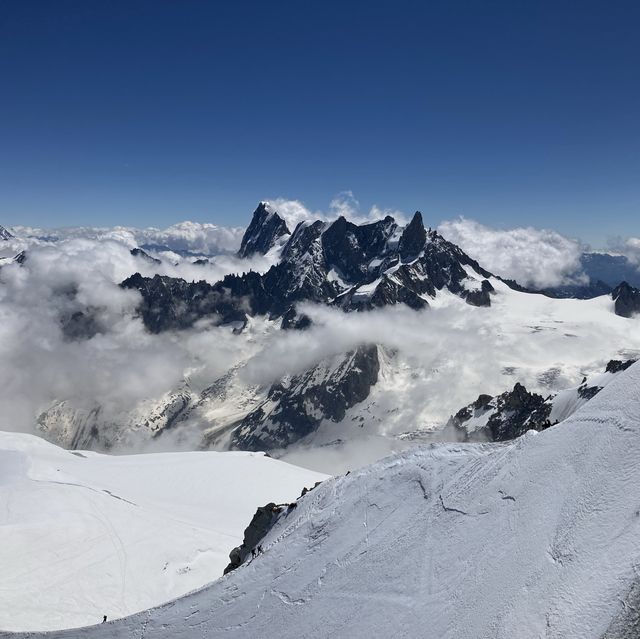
(132, 112)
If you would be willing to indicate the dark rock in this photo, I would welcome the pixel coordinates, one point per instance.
(354, 267)
(294, 320)
(403, 287)
(306, 490)
(481, 297)
(296, 407)
(349, 248)
(4, 234)
(518, 412)
(138, 252)
(617, 366)
(482, 402)
(171, 303)
(262, 234)
(413, 238)
(588, 392)
(510, 415)
(627, 300)
(301, 242)
(261, 523)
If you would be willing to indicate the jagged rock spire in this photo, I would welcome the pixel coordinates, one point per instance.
(413, 238)
(4, 234)
(266, 228)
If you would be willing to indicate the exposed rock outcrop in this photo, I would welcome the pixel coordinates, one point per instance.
(261, 523)
(514, 412)
(500, 418)
(626, 300)
(264, 231)
(354, 267)
(618, 365)
(296, 406)
(413, 238)
(142, 254)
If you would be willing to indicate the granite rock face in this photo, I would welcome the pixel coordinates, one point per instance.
(296, 406)
(354, 267)
(626, 300)
(514, 412)
(500, 418)
(264, 231)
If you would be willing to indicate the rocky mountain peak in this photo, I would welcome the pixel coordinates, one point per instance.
(296, 405)
(626, 299)
(413, 238)
(302, 239)
(138, 252)
(4, 234)
(349, 248)
(262, 234)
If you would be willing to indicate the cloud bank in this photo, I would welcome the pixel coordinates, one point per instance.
(115, 363)
(433, 362)
(188, 237)
(537, 258)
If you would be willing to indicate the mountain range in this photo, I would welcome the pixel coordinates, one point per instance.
(347, 394)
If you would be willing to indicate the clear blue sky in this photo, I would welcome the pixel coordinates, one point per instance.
(135, 112)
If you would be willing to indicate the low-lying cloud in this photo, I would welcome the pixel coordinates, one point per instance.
(533, 257)
(184, 237)
(432, 362)
(119, 363)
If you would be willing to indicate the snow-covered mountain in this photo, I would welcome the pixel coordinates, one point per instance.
(532, 538)
(375, 332)
(4, 234)
(83, 534)
(353, 267)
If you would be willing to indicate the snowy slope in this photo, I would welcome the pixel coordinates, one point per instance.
(534, 538)
(83, 534)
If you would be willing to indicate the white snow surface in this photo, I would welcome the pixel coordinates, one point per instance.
(84, 534)
(534, 538)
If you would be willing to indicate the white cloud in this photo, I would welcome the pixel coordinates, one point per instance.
(193, 237)
(533, 257)
(443, 357)
(121, 364)
(629, 247)
(344, 204)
